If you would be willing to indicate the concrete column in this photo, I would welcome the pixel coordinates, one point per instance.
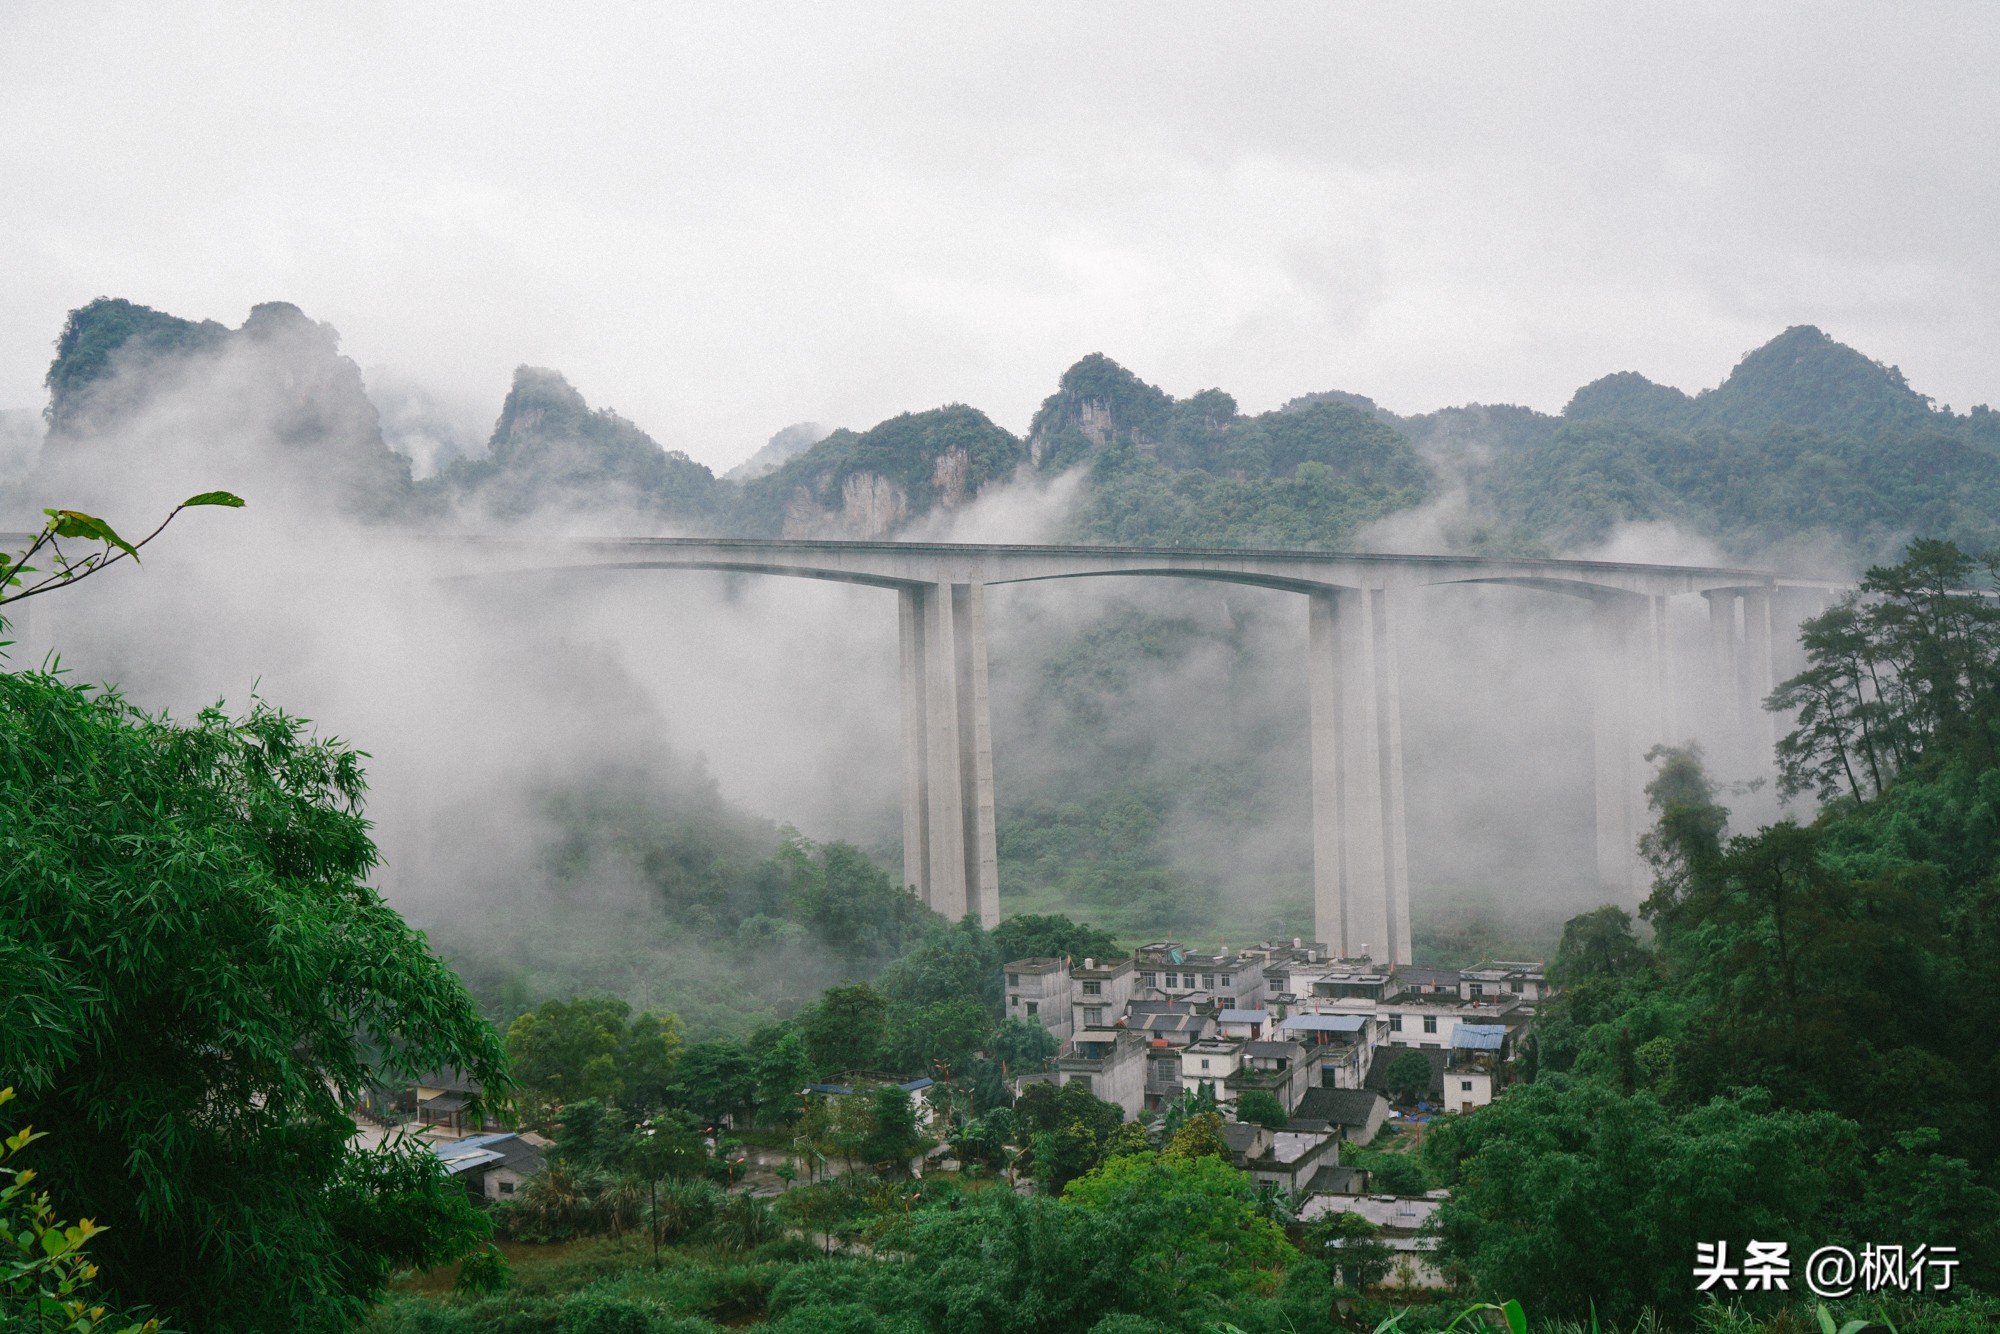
(1757, 663)
(943, 775)
(1395, 828)
(1323, 690)
(1360, 841)
(982, 865)
(1615, 745)
(916, 744)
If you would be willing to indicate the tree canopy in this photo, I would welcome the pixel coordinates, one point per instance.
(195, 981)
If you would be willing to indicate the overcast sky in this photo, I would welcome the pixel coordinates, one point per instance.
(720, 218)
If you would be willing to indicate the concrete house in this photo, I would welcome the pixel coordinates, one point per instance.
(1112, 1065)
(491, 1167)
(1040, 991)
(1476, 1068)
(1103, 987)
(1529, 981)
(1356, 1114)
(1280, 1068)
(1338, 1045)
(1287, 1159)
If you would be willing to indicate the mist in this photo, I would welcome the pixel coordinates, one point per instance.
(504, 713)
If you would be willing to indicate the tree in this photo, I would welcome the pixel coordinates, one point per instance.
(945, 1033)
(955, 963)
(1598, 943)
(1409, 1076)
(1029, 936)
(845, 1030)
(1192, 1221)
(1351, 1246)
(1570, 1195)
(45, 1280)
(1199, 1137)
(782, 1075)
(1261, 1108)
(591, 1047)
(715, 1080)
(893, 1139)
(196, 982)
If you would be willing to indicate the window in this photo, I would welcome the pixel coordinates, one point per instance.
(1395, 1023)
(1514, 987)
(1149, 979)
(1034, 1009)
(506, 1188)
(1093, 988)
(1430, 1023)
(1204, 1063)
(1013, 979)
(1014, 1002)
(1225, 1002)
(1222, 979)
(1465, 1085)
(1478, 990)
(1093, 1016)
(1208, 980)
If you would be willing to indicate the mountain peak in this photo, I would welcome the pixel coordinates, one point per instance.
(1800, 378)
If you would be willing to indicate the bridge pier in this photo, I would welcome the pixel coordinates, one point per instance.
(1630, 693)
(949, 858)
(1361, 875)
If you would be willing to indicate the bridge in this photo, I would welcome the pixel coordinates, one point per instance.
(1361, 887)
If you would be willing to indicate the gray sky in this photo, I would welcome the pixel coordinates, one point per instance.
(723, 218)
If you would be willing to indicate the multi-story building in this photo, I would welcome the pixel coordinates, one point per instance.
(1477, 1067)
(1042, 991)
(1279, 1068)
(1103, 989)
(1498, 978)
(1112, 1063)
(1221, 981)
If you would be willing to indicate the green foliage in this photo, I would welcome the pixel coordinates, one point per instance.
(782, 1074)
(1806, 1054)
(68, 567)
(1200, 1136)
(715, 1080)
(1409, 1076)
(1261, 1108)
(1599, 943)
(943, 456)
(1195, 1221)
(1071, 1131)
(550, 448)
(45, 1281)
(1906, 670)
(1351, 1247)
(893, 1138)
(196, 979)
(846, 1029)
(592, 1047)
(1051, 936)
(1570, 1193)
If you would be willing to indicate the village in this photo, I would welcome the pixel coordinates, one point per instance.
(1348, 1052)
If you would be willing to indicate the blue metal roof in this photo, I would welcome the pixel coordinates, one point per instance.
(1326, 1023)
(1241, 1016)
(918, 1085)
(1478, 1037)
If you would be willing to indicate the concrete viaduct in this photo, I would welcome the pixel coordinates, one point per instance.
(1361, 878)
